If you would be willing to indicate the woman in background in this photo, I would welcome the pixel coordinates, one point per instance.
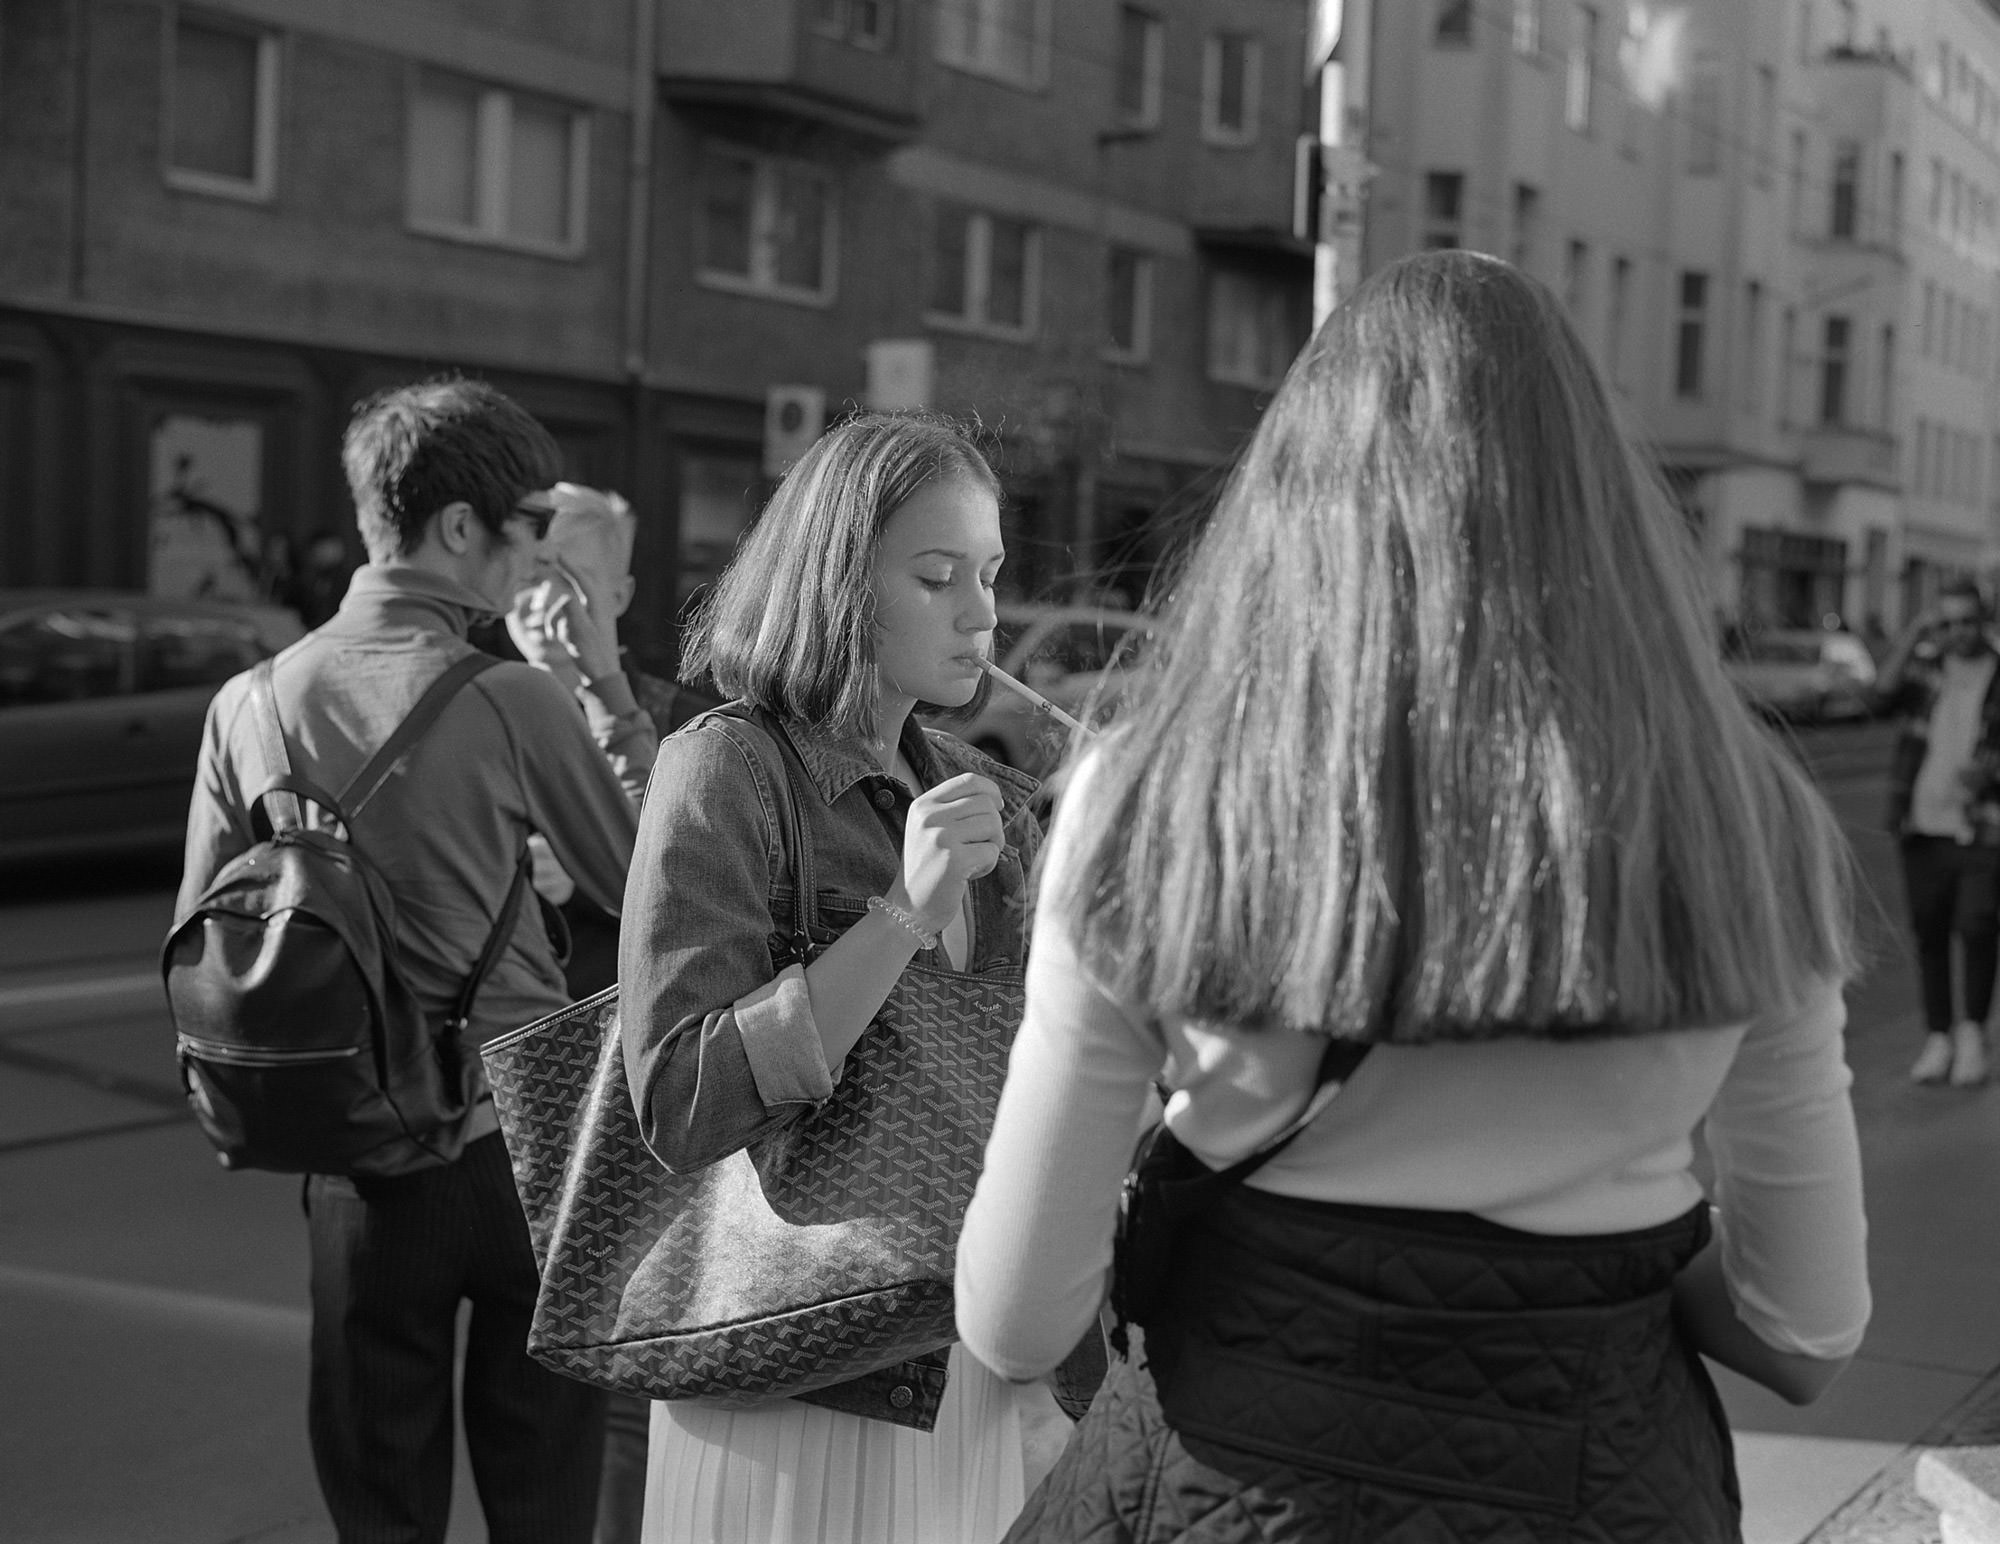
(1437, 755)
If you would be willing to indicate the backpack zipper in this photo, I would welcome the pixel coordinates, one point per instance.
(258, 1056)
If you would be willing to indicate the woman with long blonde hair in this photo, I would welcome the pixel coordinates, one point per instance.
(1437, 756)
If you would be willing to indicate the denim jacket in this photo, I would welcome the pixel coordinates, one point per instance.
(720, 1047)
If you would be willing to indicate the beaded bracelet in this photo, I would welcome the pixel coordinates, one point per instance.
(897, 914)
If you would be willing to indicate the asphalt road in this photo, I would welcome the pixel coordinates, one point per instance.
(152, 1306)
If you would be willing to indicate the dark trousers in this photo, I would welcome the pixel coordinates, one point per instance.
(1953, 887)
(391, 1261)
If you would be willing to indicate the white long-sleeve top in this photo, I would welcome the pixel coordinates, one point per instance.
(1554, 1138)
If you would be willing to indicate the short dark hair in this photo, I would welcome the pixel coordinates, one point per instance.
(790, 625)
(411, 450)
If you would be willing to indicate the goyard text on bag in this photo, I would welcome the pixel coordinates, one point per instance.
(302, 1046)
(1168, 1185)
(822, 1252)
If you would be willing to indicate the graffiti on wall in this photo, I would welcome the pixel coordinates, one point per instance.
(205, 499)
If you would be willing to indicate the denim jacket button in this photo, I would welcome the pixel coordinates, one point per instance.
(885, 798)
(902, 1396)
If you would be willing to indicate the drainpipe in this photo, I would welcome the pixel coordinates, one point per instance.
(639, 189)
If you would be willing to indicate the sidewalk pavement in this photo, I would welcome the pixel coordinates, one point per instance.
(153, 1318)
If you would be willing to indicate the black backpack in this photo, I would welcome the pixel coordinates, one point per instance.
(302, 1045)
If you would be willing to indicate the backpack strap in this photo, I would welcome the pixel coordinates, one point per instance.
(375, 772)
(286, 814)
(503, 929)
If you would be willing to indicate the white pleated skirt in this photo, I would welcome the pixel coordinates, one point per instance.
(792, 1473)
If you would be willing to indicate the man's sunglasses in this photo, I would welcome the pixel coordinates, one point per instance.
(539, 516)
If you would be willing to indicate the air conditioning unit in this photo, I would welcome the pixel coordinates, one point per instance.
(793, 419)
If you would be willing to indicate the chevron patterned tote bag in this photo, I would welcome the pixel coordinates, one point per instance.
(818, 1254)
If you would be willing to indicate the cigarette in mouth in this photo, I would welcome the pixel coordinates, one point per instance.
(1034, 698)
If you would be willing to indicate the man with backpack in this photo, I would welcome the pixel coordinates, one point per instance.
(450, 481)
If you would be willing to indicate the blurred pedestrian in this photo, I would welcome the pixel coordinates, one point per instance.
(566, 622)
(323, 577)
(1437, 757)
(864, 591)
(450, 484)
(1944, 789)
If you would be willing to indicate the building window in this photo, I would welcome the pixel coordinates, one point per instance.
(221, 134)
(1689, 335)
(1579, 87)
(1796, 201)
(1007, 40)
(1232, 69)
(1128, 291)
(1576, 280)
(864, 23)
(1142, 52)
(1788, 332)
(494, 165)
(984, 272)
(1614, 322)
(1444, 199)
(1527, 219)
(1454, 23)
(1833, 371)
(1528, 27)
(1920, 473)
(1886, 395)
(1937, 193)
(1930, 319)
(1252, 328)
(1753, 346)
(1895, 198)
(768, 226)
(1704, 117)
(1764, 154)
(1846, 190)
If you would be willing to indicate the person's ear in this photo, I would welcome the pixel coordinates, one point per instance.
(457, 527)
(621, 595)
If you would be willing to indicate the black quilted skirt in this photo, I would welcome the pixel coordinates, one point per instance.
(1353, 1375)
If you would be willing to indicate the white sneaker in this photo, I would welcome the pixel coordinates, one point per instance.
(1933, 1064)
(1968, 1054)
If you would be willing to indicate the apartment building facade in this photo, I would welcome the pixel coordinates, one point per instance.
(1773, 220)
(222, 224)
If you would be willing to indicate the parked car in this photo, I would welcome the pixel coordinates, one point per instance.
(1803, 674)
(102, 696)
(1071, 655)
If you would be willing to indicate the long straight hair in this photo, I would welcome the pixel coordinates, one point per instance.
(1435, 742)
(790, 625)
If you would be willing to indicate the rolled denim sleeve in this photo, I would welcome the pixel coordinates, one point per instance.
(720, 1045)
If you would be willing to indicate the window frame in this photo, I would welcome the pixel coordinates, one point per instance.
(1143, 267)
(972, 62)
(1580, 68)
(1691, 337)
(1834, 367)
(491, 172)
(1452, 22)
(1152, 69)
(978, 275)
(262, 185)
(1435, 225)
(845, 31)
(764, 169)
(1257, 280)
(1843, 207)
(1213, 130)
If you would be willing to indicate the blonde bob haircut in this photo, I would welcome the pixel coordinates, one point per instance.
(1436, 743)
(790, 625)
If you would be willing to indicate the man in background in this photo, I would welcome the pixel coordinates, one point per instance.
(1940, 678)
(450, 483)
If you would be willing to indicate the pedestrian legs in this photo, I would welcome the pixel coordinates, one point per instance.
(1954, 892)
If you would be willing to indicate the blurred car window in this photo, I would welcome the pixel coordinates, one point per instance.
(69, 654)
(1078, 648)
(1781, 650)
(177, 652)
